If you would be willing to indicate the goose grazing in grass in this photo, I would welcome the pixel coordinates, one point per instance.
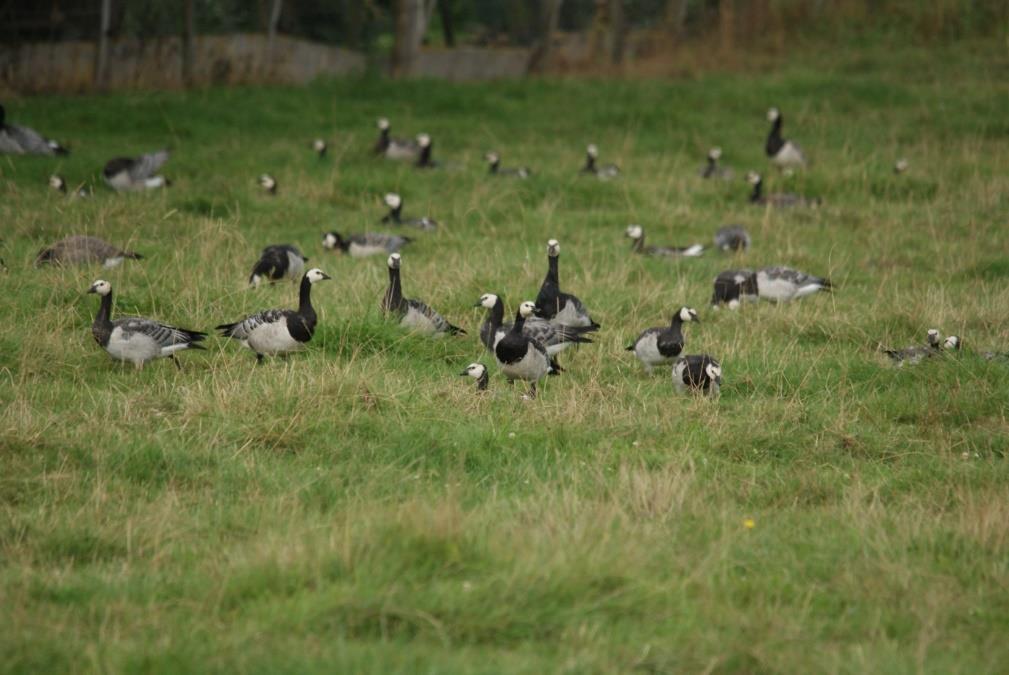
(364, 245)
(395, 215)
(661, 344)
(782, 284)
(320, 147)
(135, 339)
(556, 306)
(268, 183)
(733, 287)
(394, 148)
(519, 356)
(951, 343)
(494, 162)
(712, 169)
(901, 165)
(478, 372)
(604, 172)
(783, 153)
(781, 200)
(18, 140)
(698, 373)
(413, 314)
(57, 182)
(277, 262)
(637, 236)
(424, 159)
(917, 353)
(130, 174)
(732, 238)
(83, 250)
(553, 337)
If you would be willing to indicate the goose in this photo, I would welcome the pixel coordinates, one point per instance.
(661, 344)
(127, 174)
(637, 236)
(18, 140)
(364, 245)
(781, 284)
(136, 339)
(733, 287)
(82, 249)
(424, 160)
(697, 373)
(57, 182)
(554, 338)
(319, 147)
(494, 161)
(732, 238)
(951, 343)
(268, 183)
(917, 353)
(279, 331)
(393, 148)
(277, 262)
(519, 356)
(604, 172)
(901, 165)
(395, 215)
(781, 200)
(413, 314)
(712, 169)
(556, 306)
(477, 371)
(783, 153)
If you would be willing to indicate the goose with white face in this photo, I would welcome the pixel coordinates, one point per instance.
(478, 372)
(268, 183)
(697, 373)
(392, 200)
(57, 183)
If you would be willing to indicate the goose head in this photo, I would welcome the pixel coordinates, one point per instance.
(933, 337)
(382, 123)
(394, 261)
(635, 232)
(101, 287)
(714, 153)
(492, 157)
(331, 240)
(688, 314)
(423, 140)
(773, 114)
(474, 370)
(951, 342)
(527, 309)
(714, 373)
(901, 165)
(319, 145)
(487, 301)
(56, 182)
(553, 248)
(592, 151)
(752, 177)
(393, 200)
(315, 275)
(267, 182)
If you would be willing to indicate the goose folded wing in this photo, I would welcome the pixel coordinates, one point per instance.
(30, 141)
(162, 334)
(441, 325)
(240, 330)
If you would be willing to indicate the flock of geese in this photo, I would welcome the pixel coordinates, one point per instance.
(526, 349)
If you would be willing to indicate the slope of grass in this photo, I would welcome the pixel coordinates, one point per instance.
(358, 508)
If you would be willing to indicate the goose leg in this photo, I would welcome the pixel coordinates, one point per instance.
(532, 391)
(175, 361)
(259, 358)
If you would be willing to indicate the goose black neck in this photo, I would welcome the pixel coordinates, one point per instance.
(394, 214)
(103, 317)
(394, 294)
(552, 275)
(496, 315)
(774, 140)
(638, 245)
(590, 164)
(709, 170)
(305, 298)
(494, 166)
(481, 383)
(677, 320)
(757, 194)
(520, 321)
(425, 156)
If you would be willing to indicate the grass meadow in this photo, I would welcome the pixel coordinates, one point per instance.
(359, 508)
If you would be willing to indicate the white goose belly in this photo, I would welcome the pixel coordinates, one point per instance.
(133, 347)
(273, 338)
(364, 250)
(779, 290)
(647, 350)
(418, 321)
(789, 155)
(532, 367)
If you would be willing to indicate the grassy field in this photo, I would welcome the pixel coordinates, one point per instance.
(359, 508)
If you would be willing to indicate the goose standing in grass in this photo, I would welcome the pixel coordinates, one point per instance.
(394, 148)
(135, 339)
(413, 314)
(553, 337)
(279, 331)
(637, 236)
(661, 344)
(782, 284)
(697, 373)
(129, 174)
(82, 250)
(604, 172)
(478, 372)
(18, 140)
(494, 162)
(917, 353)
(268, 183)
(364, 245)
(733, 287)
(732, 238)
(320, 147)
(781, 200)
(712, 169)
(277, 262)
(424, 157)
(783, 153)
(519, 356)
(556, 306)
(395, 215)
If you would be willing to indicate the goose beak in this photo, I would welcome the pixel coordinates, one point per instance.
(464, 373)
(326, 276)
(92, 290)
(479, 304)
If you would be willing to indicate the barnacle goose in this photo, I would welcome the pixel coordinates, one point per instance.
(364, 245)
(126, 174)
(136, 339)
(320, 147)
(394, 148)
(279, 331)
(477, 371)
(604, 172)
(697, 373)
(781, 284)
(395, 215)
(556, 306)
(951, 343)
(277, 262)
(268, 183)
(782, 152)
(661, 344)
(917, 353)
(637, 236)
(555, 338)
(732, 238)
(901, 165)
(733, 287)
(411, 313)
(494, 162)
(781, 200)
(519, 356)
(712, 169)
(18, 140)
(424, 160)
(82, 249)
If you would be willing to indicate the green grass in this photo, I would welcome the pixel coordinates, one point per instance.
(358, 508)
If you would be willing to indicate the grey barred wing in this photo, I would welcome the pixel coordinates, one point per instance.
(162, 334)
(240, 330)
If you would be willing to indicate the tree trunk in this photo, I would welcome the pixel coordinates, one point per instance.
(447, 28)
(617, 35)
(271, 33)
(549, 17)
(409, 30)
(188, 37)
(102, 57)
